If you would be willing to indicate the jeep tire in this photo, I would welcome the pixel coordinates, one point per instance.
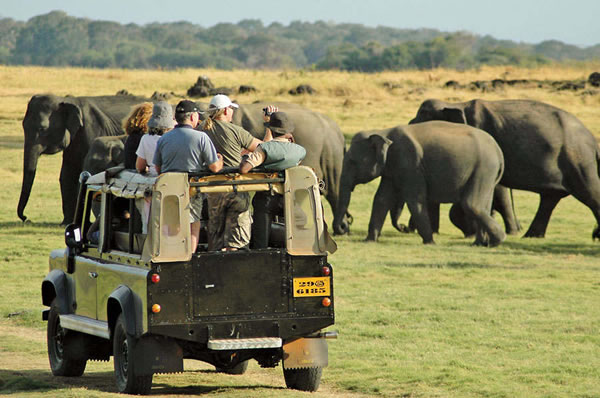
(60, 343)
(307, 379)
(128, 381)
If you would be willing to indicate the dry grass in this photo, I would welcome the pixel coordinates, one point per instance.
(415, 321)
(355, 101)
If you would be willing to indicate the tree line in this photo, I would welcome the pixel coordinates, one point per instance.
(57, 39)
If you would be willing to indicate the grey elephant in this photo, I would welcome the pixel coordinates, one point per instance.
(356, 170)
(317, 133)
(546, 150)
(434, 162)
(104, 153)
(69, 124)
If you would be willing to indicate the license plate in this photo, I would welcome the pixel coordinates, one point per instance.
(312, 287)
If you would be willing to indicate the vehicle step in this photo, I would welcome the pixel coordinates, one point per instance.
(244, 344)
(85, 325)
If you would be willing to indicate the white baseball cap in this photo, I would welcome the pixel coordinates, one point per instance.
(221, 101)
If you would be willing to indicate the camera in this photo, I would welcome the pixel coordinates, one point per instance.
(266, 111)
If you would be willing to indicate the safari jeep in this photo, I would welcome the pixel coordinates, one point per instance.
(150, 301)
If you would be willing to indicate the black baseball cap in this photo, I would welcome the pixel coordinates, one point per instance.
(186, 106)
(280, 124)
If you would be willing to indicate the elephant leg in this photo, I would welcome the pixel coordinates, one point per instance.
(412, 224)
(395, 214)
(433, 209)
(383, 202)
(459, 218)
(548, 201)
(69, 181)
(333, 191)
(419, 213)
(502, 204)
(489, 232)
(586, 188)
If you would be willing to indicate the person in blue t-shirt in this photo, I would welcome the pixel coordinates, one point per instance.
(184, 149)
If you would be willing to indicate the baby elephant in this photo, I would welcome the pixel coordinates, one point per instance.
(436, 162)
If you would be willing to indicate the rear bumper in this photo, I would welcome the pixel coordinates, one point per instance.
(202, 332)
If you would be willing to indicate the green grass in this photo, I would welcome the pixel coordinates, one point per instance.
(444, 320)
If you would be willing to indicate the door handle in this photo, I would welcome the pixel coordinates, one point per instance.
(93, 275)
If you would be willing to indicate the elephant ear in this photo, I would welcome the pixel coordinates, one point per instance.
(116, 154)
(454, 115)
(380, 145)
(73, 117)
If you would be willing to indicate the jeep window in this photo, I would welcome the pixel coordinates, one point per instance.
(91, 215)
(123, 226)
(171, 220)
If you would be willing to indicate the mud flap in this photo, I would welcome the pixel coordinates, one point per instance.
(305, 353)
(157, 355)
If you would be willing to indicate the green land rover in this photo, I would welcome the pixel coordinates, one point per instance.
(150, 301)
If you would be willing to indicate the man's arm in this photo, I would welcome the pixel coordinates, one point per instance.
(157, 157)
(252, 160)
(218, 165)
(255, 143)
(245, 167)
(268, 134)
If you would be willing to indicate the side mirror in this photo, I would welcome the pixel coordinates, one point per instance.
(73, 238)
(74, 244)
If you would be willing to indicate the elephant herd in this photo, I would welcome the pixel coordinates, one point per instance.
(469, 154)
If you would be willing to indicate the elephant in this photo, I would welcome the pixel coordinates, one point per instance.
(356, 171)
(425, 164)
(105, 152)
(69, 124)
(546, 150)
(317, 133)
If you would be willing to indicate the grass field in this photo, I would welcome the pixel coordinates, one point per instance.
(449, 320)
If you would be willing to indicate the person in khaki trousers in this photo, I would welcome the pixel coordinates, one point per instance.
(229, 220)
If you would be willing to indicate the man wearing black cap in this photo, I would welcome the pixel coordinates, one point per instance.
(184, 149)
(278, 154)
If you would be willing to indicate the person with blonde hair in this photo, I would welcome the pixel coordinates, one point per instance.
(135, 126)
(229, 220)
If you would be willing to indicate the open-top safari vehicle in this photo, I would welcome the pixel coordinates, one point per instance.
(150, 301)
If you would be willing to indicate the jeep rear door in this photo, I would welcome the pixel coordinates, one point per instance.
(241, 283)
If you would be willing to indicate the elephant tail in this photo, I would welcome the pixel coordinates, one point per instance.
(598, 159)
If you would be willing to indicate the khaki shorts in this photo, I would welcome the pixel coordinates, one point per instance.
(229, 220)
(196, 208)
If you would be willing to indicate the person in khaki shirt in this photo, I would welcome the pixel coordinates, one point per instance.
(229, 217)
(277, 154)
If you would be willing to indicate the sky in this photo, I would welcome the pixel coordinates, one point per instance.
(529, 21)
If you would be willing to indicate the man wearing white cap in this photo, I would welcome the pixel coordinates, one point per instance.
(229, 213)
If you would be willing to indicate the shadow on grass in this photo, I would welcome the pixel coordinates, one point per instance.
(23, 228)
(21, 381)
(520, 246)
(527, 245)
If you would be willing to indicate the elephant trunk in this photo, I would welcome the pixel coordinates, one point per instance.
(340, 223)
(30, 159)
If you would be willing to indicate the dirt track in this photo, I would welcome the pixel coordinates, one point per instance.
(30, 370)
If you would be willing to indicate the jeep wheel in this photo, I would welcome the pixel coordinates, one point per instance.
(303, 379)
(238, 369)
(59, 341)
(128, 381)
